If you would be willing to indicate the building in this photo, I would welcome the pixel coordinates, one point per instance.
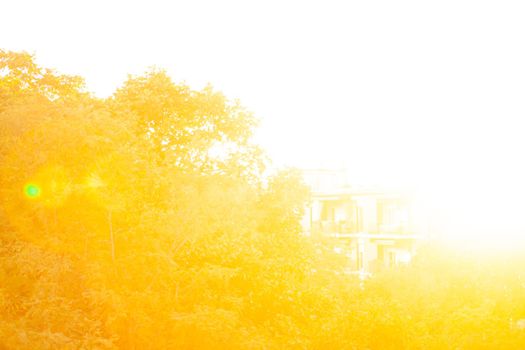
(375, 228)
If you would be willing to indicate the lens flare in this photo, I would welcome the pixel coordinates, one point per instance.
(32, 191)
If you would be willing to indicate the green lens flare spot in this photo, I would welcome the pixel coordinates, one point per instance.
(32, 191)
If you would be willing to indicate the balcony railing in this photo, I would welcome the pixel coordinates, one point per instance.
(331, 227)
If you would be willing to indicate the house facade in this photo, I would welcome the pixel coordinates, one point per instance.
(375, 228)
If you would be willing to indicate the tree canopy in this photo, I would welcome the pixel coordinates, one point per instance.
(144, 221)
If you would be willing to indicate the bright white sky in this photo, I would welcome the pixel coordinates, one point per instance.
(425, 92)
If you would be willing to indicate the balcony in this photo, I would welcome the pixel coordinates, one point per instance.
(351, 229)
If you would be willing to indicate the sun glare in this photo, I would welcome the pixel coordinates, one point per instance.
(476, 210)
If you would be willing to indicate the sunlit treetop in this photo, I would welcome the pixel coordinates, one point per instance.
(22, 75)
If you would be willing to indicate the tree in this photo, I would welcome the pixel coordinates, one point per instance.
(151, 200)
(184, 125)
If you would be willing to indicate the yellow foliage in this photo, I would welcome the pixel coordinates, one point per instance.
(122, 227)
